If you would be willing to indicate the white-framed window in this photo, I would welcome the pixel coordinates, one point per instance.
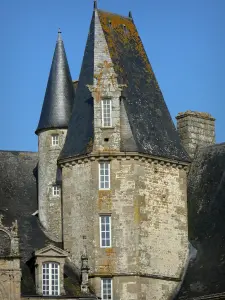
(56, 190)
(55, 140)
(106, 113)
(106, 289)
(105, 231)
(50, 279)
(104, 175)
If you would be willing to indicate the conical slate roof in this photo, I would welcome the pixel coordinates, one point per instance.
(151, 125)
(59, 96)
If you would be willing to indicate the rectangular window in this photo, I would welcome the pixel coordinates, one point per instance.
(106, 289)
(50, 279)
(56, 190)
(55, 140)
(106, 113)
(105, 231)
(104, 175)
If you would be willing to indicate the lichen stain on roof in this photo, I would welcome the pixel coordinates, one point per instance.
(127, 34)
(150, 121)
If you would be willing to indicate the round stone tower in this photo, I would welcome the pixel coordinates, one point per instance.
(51, 131)
(124, 171)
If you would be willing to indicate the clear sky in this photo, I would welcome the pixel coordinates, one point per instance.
(184, 40)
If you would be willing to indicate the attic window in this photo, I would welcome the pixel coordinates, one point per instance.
(125, 28)
(55, 140)
(110, 23)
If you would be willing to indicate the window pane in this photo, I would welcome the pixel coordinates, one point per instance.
(106, 289)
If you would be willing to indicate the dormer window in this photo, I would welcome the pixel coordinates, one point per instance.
(49, 266)
(106, 113)
(56, 190)
(55, 140)
(50, 279)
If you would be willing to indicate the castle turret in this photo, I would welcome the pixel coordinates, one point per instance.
(51, 131)
(124, 170)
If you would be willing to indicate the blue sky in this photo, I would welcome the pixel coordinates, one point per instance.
(184, 40)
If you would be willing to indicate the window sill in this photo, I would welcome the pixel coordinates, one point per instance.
(108, 127)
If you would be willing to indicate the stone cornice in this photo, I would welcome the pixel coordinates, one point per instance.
(154, 276)
(105, 155)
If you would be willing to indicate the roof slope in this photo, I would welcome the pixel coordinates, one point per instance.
(206, 207)
(149, 118)
(80, 129)
(150, 121)
(59, 96)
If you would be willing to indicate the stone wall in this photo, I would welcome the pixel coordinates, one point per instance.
(10, 276)
(196, 129)
(148, 205)
(49, 207)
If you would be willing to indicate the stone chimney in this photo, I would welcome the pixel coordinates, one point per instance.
(196, 129)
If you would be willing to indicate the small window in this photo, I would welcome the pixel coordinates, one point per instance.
(105, 231)
(106, 113)
(55, 140)
(50, 279)
(104, 175)
(56, 190)
(106, 289)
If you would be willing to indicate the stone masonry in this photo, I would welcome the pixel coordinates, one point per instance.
(48, 175)
(196, 129)
(147, 202)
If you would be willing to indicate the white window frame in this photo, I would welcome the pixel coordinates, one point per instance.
(106, 297)
(56, 190)
(48, 281)
(106, 120)
(103, 167)
(55, 140)
(101, 223)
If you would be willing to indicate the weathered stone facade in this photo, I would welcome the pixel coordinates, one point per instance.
(196, 129)
(10, 273)
(49, 174)
(147, 202)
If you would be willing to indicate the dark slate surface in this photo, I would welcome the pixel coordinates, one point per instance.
(206, 206)
(79, 138)
(59, 96)
(150, 120)
(18, 201)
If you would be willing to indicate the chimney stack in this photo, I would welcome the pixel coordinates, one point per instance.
(196, 129)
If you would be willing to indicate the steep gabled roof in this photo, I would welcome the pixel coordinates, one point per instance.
(149, 119)
(59, 96)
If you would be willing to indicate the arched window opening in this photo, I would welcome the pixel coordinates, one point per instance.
(50, 279)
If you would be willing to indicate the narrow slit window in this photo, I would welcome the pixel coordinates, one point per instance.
(106, 113)
(104, 175)
(106, 289)
(105, 231)
(50, 279)
(56, 190)
(55, 140)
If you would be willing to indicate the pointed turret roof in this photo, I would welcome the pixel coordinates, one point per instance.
(151, 125)
(59, 96)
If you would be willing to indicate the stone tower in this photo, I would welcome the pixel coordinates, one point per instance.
(124, 170)
(51, 131)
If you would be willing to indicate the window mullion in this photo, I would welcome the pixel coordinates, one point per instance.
(50, 279)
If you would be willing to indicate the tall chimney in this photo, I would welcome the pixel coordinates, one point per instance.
(196, 129)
